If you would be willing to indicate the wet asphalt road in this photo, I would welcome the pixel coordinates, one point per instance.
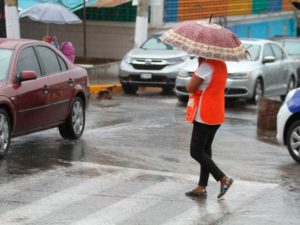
(132, 167)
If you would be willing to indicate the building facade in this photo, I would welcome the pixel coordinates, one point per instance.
(110, 31)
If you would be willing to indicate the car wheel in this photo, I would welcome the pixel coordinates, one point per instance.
(293, 141)
(75, 122)
(167, 89)
(4, 132)
(183, 99)
(258, 91)
(291, 86)
(130, 89)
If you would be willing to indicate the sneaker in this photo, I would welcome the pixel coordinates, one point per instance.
(195, 193)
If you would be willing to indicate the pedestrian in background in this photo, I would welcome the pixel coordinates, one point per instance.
(205, 110)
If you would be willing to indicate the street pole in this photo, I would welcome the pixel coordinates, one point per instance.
(84, 31)
(141, 25)
(12, 19)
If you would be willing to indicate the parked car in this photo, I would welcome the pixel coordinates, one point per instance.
(288, 124)
(291, 46)
(154, 64)
(267, 72)
(39, 89)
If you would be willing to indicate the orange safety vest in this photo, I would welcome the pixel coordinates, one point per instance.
(212, 98)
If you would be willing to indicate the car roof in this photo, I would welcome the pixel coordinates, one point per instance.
(12, 44)
(256, 41)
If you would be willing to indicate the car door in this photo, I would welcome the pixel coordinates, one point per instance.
(31, 96)
(283, 75)
(59, 84)
(270, 71)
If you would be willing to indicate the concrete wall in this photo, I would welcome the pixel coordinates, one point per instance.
(104, 40)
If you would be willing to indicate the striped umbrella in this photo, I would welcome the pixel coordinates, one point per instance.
(207, 40)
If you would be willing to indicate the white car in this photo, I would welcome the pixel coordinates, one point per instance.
(268, 72)
(154, 64)
(288, 124)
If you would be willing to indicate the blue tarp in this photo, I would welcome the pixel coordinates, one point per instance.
(70, 4)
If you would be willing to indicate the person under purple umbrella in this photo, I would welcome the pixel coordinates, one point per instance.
(213, 45)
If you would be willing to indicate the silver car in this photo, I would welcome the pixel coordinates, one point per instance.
(154, 64)
(267, 72)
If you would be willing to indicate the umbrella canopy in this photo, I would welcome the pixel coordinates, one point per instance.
(50, 13)
(207, 40)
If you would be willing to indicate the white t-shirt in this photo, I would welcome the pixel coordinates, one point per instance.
(205, 72)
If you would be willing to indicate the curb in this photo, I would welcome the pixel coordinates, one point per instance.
(96, 88)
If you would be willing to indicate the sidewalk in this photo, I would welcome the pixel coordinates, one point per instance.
(104, 77)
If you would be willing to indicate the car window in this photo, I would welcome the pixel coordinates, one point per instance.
(49, 59)
(5, 59)
(279, 53)
(63, 64)
(290, 47)
(253, 50)
(154, 43)
(28, 61)
(268, 51)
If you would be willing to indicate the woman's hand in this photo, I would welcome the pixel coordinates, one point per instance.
(194, 84)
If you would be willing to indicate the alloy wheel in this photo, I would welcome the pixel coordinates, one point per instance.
(4, 133)
(295, 141)
(77, 117)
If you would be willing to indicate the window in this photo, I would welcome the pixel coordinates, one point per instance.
(253, 50)
(268, 51)
(28, 61)
(49, 59)
(279, 54)
(62, 63)
(5, 58)
(154, 43)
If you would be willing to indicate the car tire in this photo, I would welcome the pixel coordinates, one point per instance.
(291, 86)
(293, 137)
(75, 122)
(258, 91)
(5, 128)
(130, 89)
(183, 99)
(168, 89)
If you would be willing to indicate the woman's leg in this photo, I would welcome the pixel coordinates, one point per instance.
(202, 136)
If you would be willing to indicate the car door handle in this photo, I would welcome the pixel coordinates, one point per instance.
(45, 89)
(71, 82)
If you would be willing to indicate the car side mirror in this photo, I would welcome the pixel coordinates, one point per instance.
(269, 59)
(27, 75)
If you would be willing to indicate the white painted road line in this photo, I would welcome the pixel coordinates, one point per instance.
(132, 205)
(47, 205)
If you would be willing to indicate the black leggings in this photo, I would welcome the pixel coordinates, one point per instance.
(202, 138)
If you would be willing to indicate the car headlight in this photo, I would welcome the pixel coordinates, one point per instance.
(127, 59)
(238, 75)
(184, 73)
(177, 60)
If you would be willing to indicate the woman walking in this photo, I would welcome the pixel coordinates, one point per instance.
(206, 111)
(214, 45)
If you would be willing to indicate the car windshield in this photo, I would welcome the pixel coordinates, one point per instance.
(5, 58)
(253, 50)
(154, 43)
(290, 47)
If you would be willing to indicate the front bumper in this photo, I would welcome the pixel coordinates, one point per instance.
(282, 116)
(180, 86)
(239, 88)
(158, 78)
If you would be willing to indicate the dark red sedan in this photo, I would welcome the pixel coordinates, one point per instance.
(39, 89)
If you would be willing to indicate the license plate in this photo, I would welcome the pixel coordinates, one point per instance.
(146, 76)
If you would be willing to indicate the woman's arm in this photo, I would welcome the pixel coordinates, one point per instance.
(194, 84)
